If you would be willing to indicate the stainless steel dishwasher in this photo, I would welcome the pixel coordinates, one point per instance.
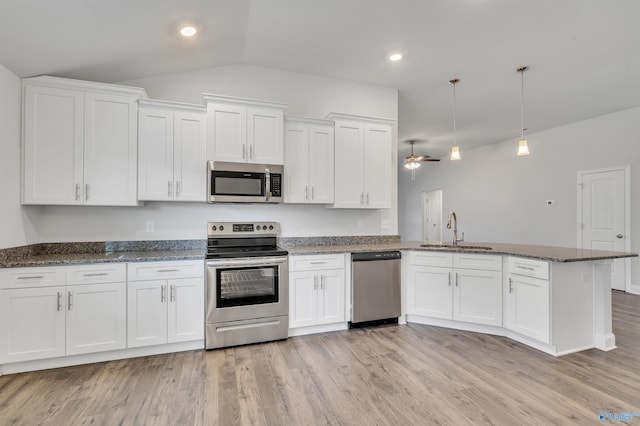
(375, 291)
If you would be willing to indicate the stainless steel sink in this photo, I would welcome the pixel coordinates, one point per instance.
(452, 247)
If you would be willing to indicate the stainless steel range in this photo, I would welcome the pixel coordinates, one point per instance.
(247, 289)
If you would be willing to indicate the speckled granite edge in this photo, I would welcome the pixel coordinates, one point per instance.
(291, 242)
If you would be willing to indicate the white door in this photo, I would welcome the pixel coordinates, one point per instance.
(264, 136)
(32, 324)
(349, 165)
(377, 166)
(430, 292)
(96, 318)
(603, 210)
(190, 151)
(527, 307)
(186, 310)
(432, 215)
(226, 132)
(477, 296)
(303, 299)
(155, 166)
(321, 161)
(296, 159)
(331, 296)
(53, 144)
(146, 313)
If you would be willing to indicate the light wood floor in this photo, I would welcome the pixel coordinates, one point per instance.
(396, 375)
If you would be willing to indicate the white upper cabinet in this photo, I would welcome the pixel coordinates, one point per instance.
(244, 130)
(363, 161)
(172, 152)
(308, 171)
(79, 142)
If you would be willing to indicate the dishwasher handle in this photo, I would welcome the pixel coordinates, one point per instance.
(377, 255)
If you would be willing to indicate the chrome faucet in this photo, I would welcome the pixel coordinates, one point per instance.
(452, 216)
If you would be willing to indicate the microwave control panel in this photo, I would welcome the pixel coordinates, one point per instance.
(276, 185)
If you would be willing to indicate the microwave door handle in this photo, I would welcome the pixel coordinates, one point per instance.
(267, 184)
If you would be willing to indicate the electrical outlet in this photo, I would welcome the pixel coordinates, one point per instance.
(151, 226)
(384, 224)
(360, 224)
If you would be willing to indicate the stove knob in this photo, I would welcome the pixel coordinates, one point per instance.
(270, 227)
(258, 227)
(213, 228)
(221, 228)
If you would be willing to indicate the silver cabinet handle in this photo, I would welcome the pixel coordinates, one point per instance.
(528, 268)
(31, 277)
(367, 198)
(315, 282)
(305, 192)
(59, 301)
(321, 282)
(362, 198)
(77, 191)
(312, 196)
(169, 188)
(510, 285)
(318, 263)
(172, 294)
(86, 192)
(69, 300)
(163, 293)
(177, 188)
(619, 236)
(244, 152)
(449, 279)
(251, 152)
(167, 270)
(97, 274)
(456, 279)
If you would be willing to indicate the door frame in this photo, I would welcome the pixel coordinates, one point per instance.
(424, 195)
(627, 213)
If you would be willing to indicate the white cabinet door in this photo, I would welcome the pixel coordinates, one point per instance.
(110, 150)
(155, 167)
(321, 164)
(377, 166)
(303, 300)
(32, 324)
(430, 292)
(331, 294)
(296, 171)
(477, 296)
(53, 128)
(227, 132)
(146, 313)
(349, 165)
(190, 145)
(186, 310)
(264, 136)
(96, 318)
(527, 307)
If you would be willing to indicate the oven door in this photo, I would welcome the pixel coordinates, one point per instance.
(247, 288)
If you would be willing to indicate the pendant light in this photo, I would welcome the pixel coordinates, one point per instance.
(455, 149)
(523, 148)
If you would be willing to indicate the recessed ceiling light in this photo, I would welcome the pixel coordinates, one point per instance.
(395, 57)
(188, 31)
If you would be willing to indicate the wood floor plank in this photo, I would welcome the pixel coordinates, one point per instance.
(409, 374)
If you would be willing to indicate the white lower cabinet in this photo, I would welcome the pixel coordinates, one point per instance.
(53, 312)
(165, 303)
(316, 290)
(527, 300)
(454, 292)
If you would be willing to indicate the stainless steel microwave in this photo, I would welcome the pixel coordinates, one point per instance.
(244, 182)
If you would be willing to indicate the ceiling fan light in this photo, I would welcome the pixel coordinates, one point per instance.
(455, 153)
(411, 165)
(523, 148)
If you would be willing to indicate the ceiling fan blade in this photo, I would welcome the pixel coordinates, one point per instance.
(422, 157)
(431, 159)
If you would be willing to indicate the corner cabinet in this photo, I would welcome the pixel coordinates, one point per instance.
(172, 151)
(244, 130)
(308, 161)
(364, 161)
(79, 142)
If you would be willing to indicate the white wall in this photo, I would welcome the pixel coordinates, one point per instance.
(499, 197)
(306, 95)
(16, 228)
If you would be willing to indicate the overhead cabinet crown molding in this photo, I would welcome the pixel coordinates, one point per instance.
(68, 83)
(244, 130)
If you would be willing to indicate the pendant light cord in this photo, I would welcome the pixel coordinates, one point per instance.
(521, 70)
(455, 140)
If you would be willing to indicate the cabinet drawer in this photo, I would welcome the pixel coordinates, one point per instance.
(32, 277)
(97, 273)
(431, 258)
(143, 271)
(316, 262)
(529, 267)
(477, 261)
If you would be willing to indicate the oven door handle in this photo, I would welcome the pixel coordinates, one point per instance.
(256, 261)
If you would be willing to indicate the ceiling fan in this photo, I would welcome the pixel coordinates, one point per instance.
(413, 161)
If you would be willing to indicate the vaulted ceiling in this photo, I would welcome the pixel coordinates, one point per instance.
(583, 54)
